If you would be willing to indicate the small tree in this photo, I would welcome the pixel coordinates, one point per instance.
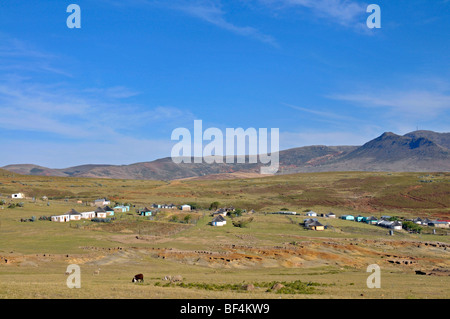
(409, 225)
(214, 205)
(187, 218)
(193, 205)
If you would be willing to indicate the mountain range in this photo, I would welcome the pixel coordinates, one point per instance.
(418, 151)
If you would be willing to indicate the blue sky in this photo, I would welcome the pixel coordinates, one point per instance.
(113, 90)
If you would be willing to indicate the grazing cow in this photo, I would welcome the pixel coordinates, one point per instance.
(138, 278)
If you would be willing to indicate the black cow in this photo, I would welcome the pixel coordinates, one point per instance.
(138, 278)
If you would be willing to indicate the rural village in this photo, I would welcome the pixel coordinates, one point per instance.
(104, 213)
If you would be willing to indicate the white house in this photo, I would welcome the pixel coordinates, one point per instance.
(121, 209)
(386, 224)
(100, 212)
(70, 215)
(61, 218)
(397, 225)
(18, 195)
(439, 224)
(74, 215)
(219, 220)
(102, 202)
(311, 213)
(87, 215)
(185, 207)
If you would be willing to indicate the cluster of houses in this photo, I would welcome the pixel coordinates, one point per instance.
(101, 202)
(220, 214)
(104, 211)
(223, 211)
(312, 223)
(149, 212)
(433, 223)
(99, 212)
(384, 221)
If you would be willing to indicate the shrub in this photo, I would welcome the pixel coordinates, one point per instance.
(194, 205)
(214, 205)
(236, 213)
(101, 220)
(294, 287)
(242, 223)
(409, 225)
(187, 218)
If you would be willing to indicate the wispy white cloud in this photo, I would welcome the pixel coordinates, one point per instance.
(407, 104)
(76, 114)
(425, 105)
(116, 92)
(343, 12)
(321, 114)
(212, 12)
(20, 56)
(85, 126)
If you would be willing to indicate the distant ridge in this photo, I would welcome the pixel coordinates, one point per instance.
(421, 151)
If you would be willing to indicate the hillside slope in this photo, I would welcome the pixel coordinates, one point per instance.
(423, 151)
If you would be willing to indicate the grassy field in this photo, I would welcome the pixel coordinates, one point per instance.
(217, 262)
